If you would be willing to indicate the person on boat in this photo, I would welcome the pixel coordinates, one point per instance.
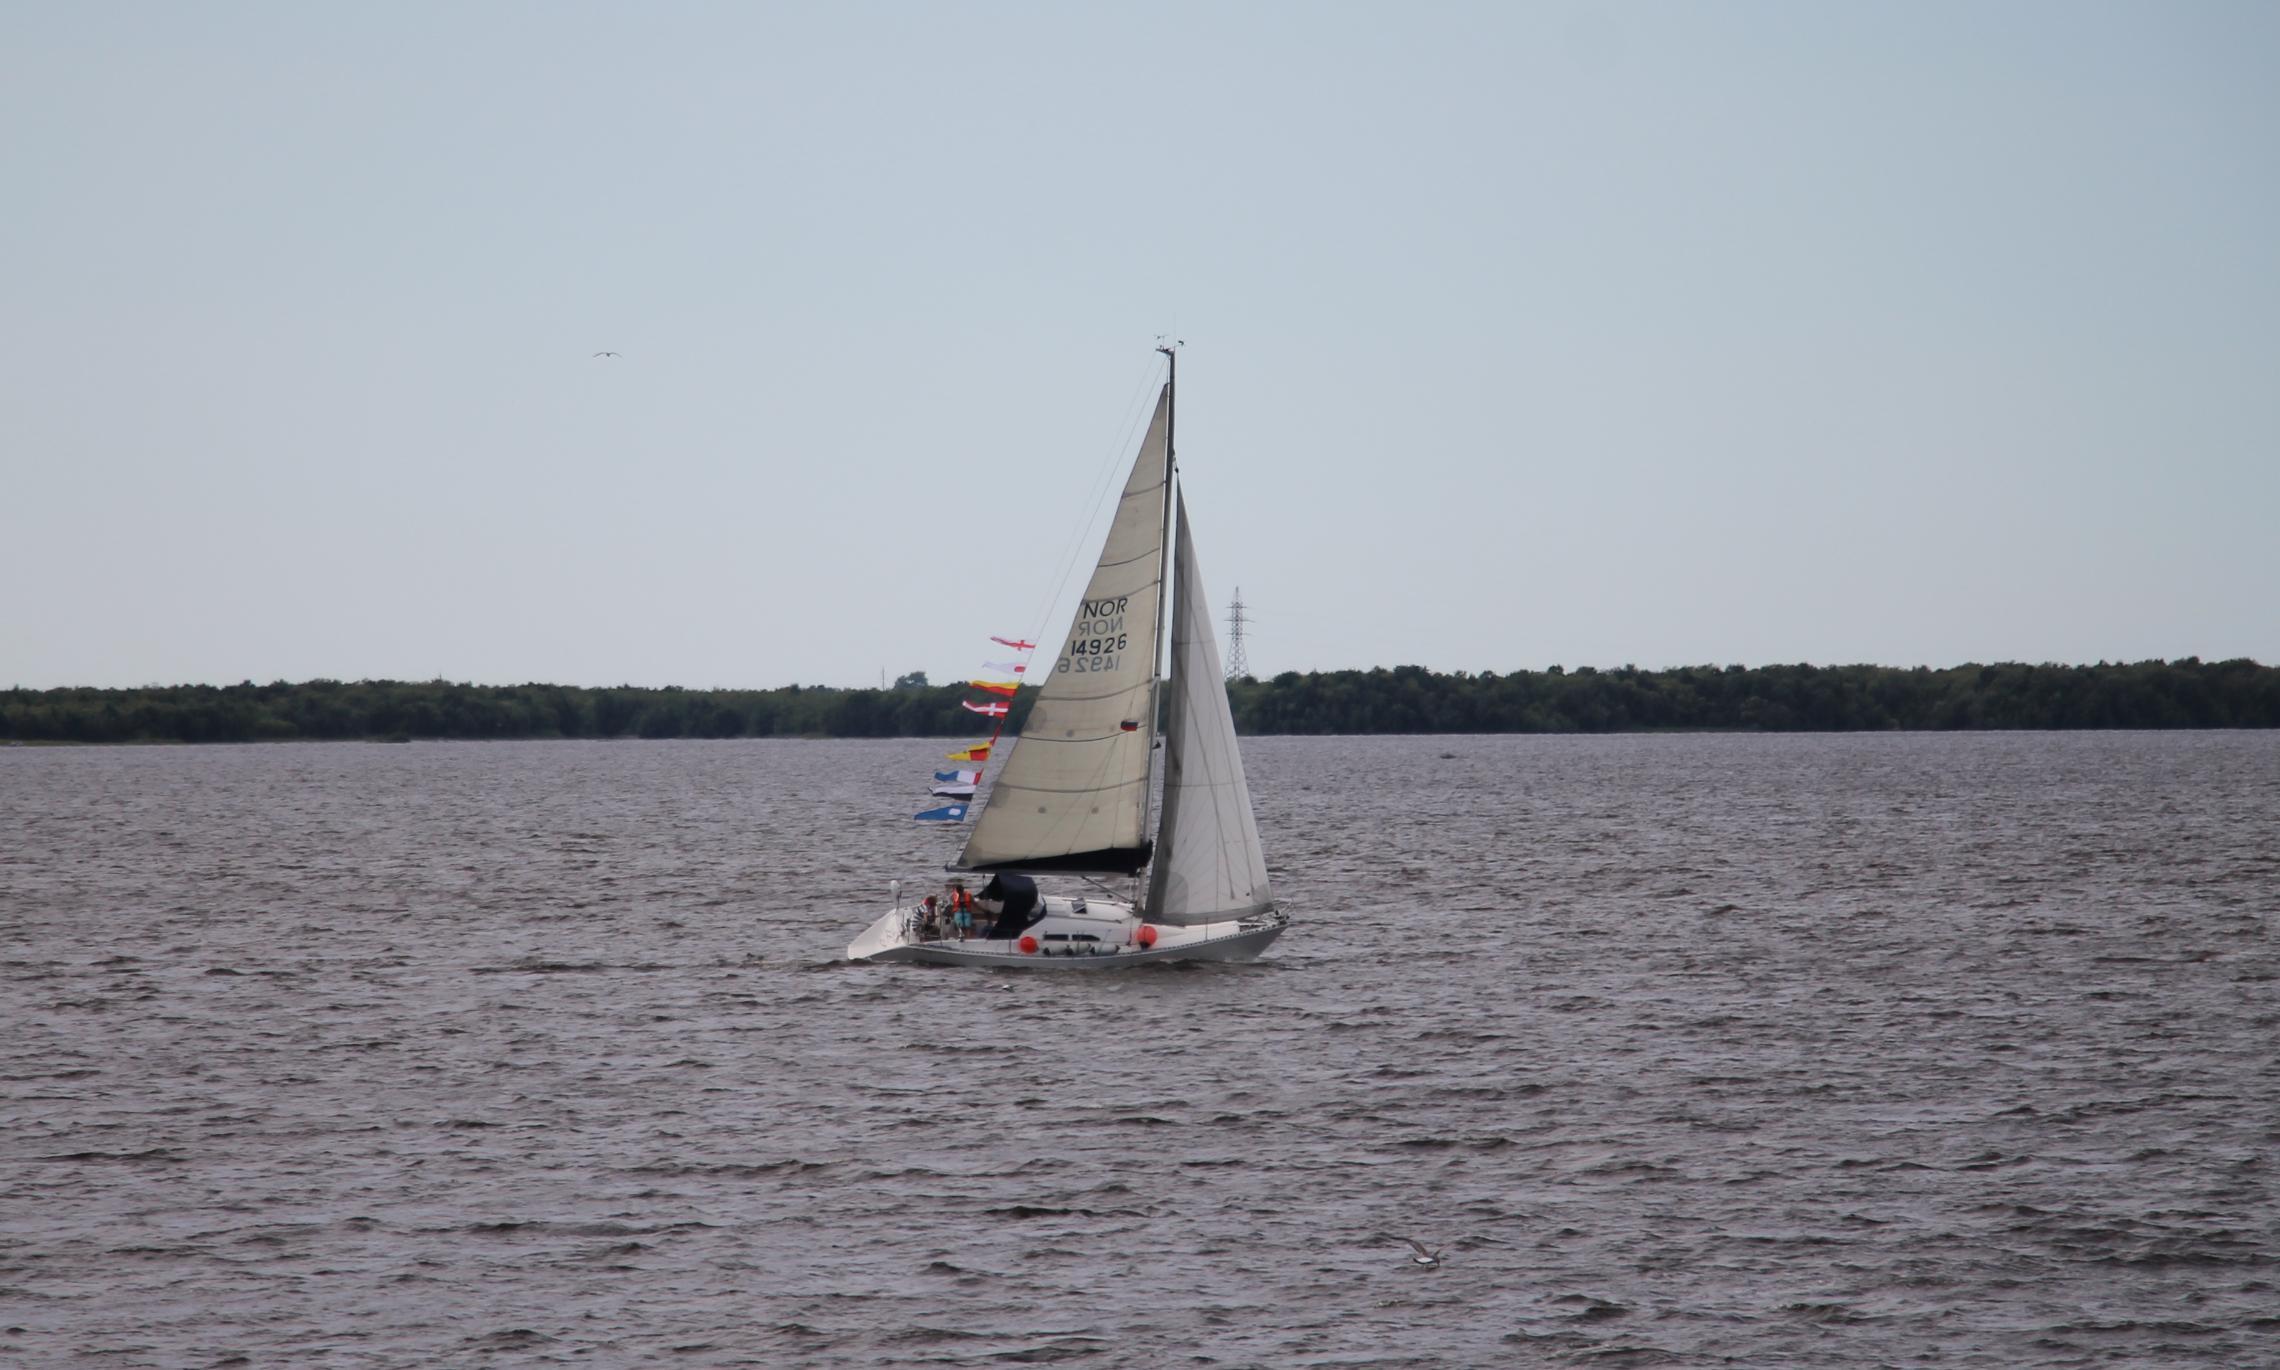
(961, 903)
(929, 920)
(1013, 899)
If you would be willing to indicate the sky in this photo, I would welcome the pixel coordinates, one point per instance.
(1516, 334)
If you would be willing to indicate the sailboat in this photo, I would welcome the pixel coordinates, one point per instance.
(1073, 795)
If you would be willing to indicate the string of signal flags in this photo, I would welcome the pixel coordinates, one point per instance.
(996, 702)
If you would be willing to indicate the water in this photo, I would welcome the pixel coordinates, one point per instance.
(1952, 1050)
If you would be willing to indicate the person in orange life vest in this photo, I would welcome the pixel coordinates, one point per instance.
(961, 909)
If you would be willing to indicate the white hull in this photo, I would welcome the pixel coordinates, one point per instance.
(1092, 935)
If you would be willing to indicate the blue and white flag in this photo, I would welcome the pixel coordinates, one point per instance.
(948, 813)
(958, 777)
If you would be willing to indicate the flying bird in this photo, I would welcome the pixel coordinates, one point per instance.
(609, 354)
(1422, 1256)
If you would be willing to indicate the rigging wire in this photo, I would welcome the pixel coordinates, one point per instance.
(1138, 409)
(1136, 412)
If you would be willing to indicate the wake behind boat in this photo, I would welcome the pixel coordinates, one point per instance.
(1072, 797)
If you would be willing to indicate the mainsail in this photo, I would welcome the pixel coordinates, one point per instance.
(1074, 793)
(1209, 865)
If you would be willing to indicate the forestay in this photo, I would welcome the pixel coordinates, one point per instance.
(1209, 865)
(1073, 795)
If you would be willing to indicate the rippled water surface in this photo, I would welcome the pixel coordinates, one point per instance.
(1891, 1050)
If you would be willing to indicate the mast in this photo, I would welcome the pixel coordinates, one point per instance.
(1164, 554)
(1163, 562)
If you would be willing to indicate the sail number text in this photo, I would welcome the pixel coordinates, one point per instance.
(1098, 640)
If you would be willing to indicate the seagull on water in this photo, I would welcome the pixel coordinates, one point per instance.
(1421, 1256)
(609, 354)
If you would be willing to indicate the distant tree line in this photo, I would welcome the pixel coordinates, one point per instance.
(1406, 699)
(1410, 699)
(392, 709)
